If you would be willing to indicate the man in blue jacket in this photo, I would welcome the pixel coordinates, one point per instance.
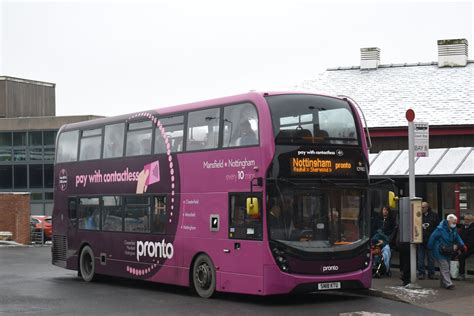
(444, 242)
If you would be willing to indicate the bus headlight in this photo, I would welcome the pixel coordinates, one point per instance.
(280, 259)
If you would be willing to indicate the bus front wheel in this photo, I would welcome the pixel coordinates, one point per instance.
(87, 264)
(204, 276)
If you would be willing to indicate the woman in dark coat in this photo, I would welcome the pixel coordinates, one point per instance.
(386, 223)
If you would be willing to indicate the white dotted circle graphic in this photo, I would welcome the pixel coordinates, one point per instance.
(158, 124)
(145, 271)
(139, 272)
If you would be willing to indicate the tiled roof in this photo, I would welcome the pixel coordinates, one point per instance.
(439, 96)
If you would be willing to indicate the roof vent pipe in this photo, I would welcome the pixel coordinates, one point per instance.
(452, 53)
(369, 58)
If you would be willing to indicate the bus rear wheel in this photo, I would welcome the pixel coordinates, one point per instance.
(204, 276)
(87, 264)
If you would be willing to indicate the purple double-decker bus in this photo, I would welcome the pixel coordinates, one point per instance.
(259, 193)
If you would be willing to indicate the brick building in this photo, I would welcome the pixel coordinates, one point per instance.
(15, 215)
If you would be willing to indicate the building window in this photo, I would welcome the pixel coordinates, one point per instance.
(19, 139)
(48, 154)
(20, 177)
(19, 154)
(448, 189)
(48, 175)
(6, 178)
(49, 138)
(36, 176)
(5, 139)
(36, 196)
(5, 154)
(113, 140)
(35, 138)
(36, 154)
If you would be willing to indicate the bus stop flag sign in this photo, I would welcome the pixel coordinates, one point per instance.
(422, 139)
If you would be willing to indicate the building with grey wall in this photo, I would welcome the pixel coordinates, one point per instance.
(28, 128)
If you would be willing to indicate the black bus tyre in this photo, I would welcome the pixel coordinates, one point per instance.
(87, 264)
(204, 276)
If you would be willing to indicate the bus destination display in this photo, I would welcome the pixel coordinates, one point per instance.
(317, 165)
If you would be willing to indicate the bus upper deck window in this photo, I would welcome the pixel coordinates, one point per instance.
(67, 146)
(240, 125)
(91, 143)
(173, 128)
(113, 140)
(203, 129)
(139, 136)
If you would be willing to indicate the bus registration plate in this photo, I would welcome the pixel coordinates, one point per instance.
(329, 286)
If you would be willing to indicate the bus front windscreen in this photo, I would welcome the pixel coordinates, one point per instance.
(312, 119)
(317, 219)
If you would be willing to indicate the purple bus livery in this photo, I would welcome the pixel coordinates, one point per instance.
(259, 193)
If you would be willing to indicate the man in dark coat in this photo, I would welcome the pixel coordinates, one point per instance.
(430, 221)
(467, 235)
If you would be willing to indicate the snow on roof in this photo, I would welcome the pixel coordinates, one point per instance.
(439, 96)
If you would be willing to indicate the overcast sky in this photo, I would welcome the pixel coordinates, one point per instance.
(108, 58)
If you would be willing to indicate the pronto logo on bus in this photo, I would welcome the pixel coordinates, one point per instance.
(330, 268)
(154, 249)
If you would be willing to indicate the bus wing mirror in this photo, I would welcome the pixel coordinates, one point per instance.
(252, 206)
(392, 200)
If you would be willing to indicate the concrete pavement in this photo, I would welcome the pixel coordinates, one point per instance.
(459, 301)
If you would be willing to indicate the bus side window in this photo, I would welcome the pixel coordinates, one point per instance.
(174, 131)
(241, 224)
(89, 213)
(240, 125)
(72, 206)
(112, 213)
(113, 140)
(160, 216)
(137, 214)
(67, 146)
(91, 143)
(203, 129)
(139, 138)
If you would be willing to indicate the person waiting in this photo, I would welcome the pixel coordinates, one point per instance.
(445, 243)
(430, 221)
(467, 235)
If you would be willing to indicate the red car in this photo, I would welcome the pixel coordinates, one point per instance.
(42, 223)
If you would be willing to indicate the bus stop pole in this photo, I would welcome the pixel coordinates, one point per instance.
(411, 182)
